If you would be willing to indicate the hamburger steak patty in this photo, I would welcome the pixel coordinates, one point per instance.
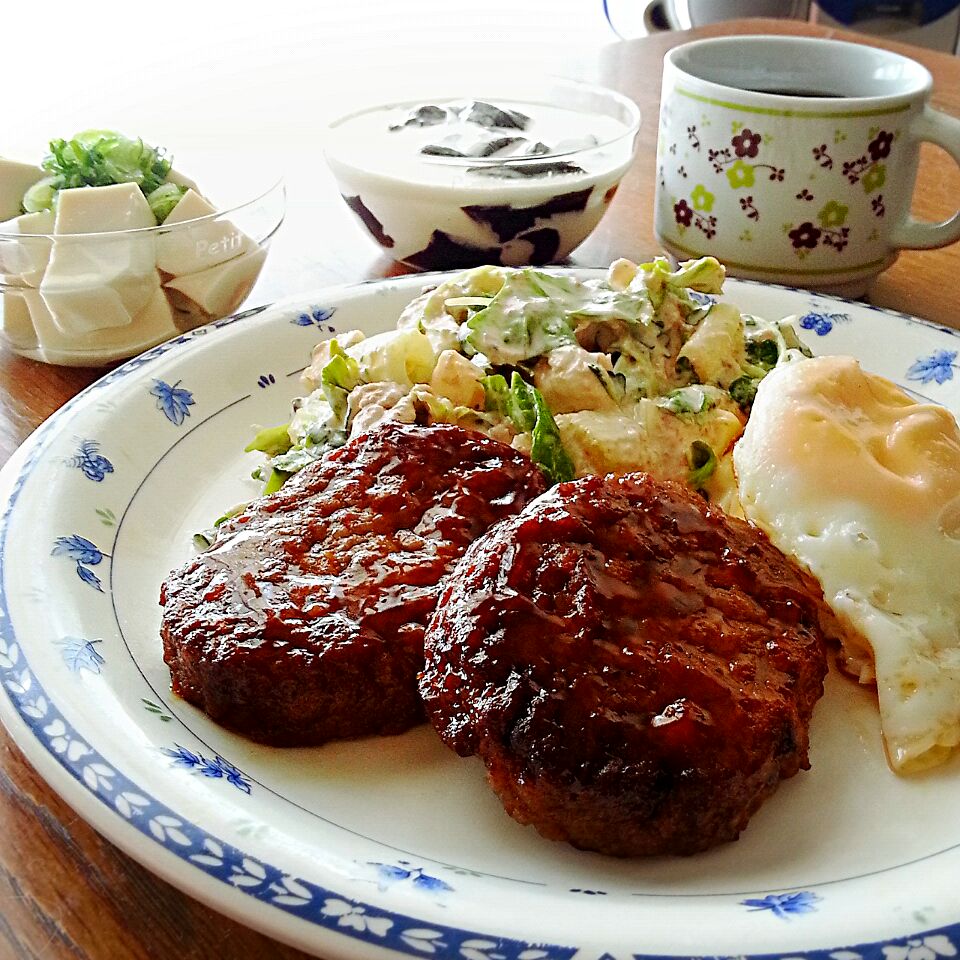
(304, 621)
(636, 670)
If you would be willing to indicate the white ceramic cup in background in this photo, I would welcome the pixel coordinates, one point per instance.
(793, 159)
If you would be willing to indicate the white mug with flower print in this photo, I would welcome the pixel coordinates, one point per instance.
(793, 159)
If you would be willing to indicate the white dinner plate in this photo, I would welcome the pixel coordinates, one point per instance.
(396, 844)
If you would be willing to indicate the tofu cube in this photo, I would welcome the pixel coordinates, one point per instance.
(23, 260)
(121, 206)
(16, 323)
(215, 292)
(15, 180)
(198, 246)
(100, 282)
(152, 324)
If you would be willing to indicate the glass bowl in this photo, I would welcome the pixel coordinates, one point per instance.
(88, 298)
(532, 200)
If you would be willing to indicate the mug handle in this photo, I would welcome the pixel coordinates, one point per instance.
(942, 130)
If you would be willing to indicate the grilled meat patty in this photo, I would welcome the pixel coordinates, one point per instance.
(636, 670)
(304, 621)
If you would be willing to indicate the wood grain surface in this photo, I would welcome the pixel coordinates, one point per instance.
(67, 893)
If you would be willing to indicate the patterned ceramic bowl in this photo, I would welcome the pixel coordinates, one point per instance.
(456, 173)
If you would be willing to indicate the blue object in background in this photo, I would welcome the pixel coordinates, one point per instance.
(918, 11)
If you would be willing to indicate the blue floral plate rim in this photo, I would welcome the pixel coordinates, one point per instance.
(261, 893)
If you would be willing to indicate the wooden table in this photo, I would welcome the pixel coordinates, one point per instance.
(65, 891)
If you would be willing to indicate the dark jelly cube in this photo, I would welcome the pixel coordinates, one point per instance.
(368, 219)
(487, 148)
(487, 115)
(426, 116)
(526, 171)
(440, 150)
(445, 252)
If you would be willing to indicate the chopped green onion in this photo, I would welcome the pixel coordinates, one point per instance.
(164, 199)
(702, 461)
(272, 441)
(97, 158)
(275, 481)
(742, 392)
(764, 353)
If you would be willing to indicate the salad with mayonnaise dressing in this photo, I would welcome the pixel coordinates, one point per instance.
(641, 369)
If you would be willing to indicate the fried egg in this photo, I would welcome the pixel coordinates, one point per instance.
(861, 484)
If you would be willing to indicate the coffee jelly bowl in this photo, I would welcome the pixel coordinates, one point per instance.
(477, 171)
(73, 297)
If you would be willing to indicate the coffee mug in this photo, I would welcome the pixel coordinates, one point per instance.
(793, 159)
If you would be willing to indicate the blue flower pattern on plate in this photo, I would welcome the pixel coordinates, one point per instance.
(331, 909)
(921, 948)
(822, 323)
(215, 769)
(84, 553)
(786, 905)
(939, 367)
(390, 874)
(316, 317)
(90, 461)
(173, 400)
(79, 654)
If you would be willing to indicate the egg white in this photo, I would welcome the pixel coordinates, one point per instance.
(861, 484)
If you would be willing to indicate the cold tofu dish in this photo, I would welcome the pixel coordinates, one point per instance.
(641, 369)
(84, 278)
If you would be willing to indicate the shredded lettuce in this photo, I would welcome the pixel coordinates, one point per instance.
(506, 321)
(440, 409)
(691, 399)
(585, 298)
(524, 405)
(705, 275)
(300, 456)
(520, 322)
(313, 431)
(496, 394)
(338, 377)
(535, 312)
